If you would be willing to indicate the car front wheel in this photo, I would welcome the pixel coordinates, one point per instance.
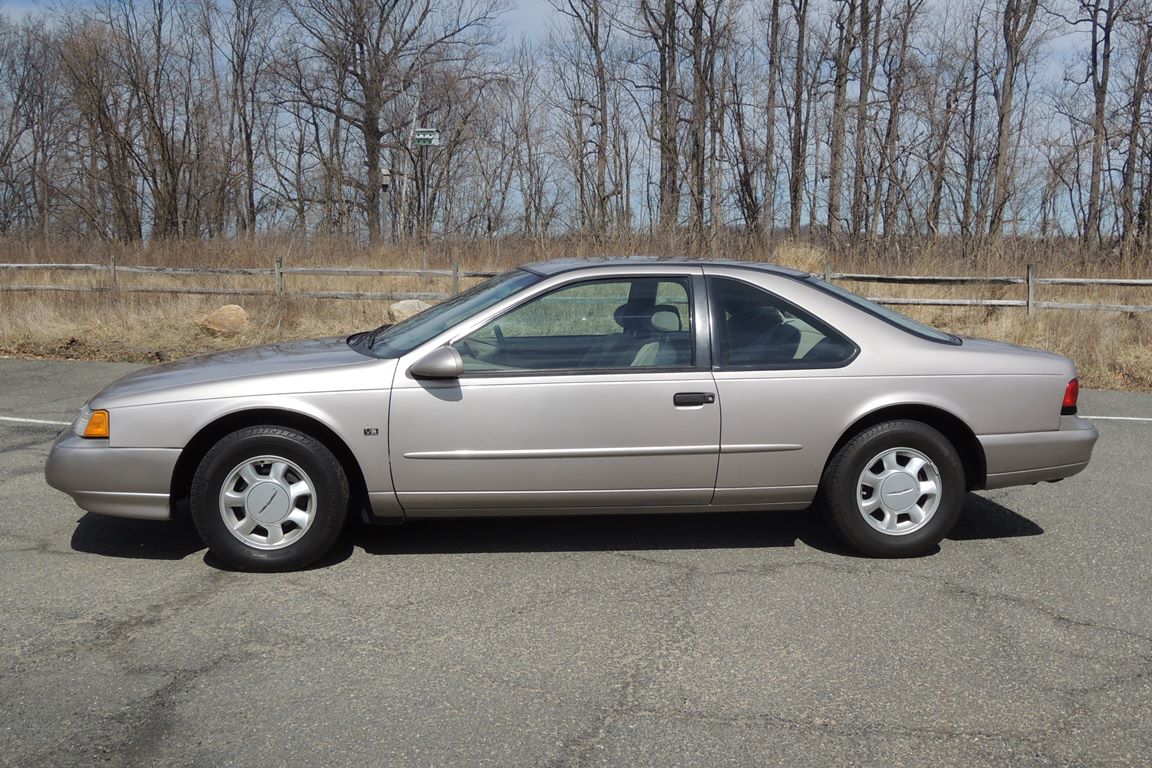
(269, 498)
(894, 489)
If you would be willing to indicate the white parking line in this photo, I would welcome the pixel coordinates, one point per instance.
(15, 420)
(1119, 418)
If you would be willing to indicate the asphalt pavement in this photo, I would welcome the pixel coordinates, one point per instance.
(720, 640)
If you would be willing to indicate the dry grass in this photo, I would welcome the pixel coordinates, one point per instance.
(1113, 350)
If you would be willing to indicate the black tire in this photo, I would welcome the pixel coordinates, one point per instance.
(306, 491)
(868, 514)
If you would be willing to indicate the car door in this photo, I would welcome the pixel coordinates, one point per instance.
(590, 395)
(784, 378)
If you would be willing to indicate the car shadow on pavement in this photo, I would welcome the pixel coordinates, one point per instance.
(981, 518)
(141, 539)
(580, 534)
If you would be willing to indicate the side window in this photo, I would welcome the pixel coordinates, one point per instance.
(640, 322)
(757, 329)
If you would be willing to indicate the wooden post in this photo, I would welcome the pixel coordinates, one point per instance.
(112, 270)
(1030, 280)
(455, 277)
(278, 269)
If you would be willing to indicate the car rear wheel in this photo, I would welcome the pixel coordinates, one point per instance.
(894, 489)
(269, 499)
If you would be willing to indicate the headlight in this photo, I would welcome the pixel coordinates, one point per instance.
(91, 423)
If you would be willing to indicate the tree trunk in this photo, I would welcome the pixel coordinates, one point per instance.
(1016, 23)
(845, 22)
(1133, 141)
(796, 172)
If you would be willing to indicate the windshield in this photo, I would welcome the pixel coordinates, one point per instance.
(399, 339)
(884, 313)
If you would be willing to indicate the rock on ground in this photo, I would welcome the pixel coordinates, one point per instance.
(402, 310)
(228, 320)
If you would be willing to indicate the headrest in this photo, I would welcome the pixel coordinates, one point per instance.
(633, 317)
(762, 317)
(665, 320)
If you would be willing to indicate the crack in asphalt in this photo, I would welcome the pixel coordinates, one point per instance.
(15, 446)
(767, 569)
(152, 719)
(108, 634)
(147, 720)
(847, 728)
(132, 735)
(33, 544)
(576, 750)
(974, 595)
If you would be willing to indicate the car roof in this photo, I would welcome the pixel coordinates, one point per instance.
(559, 266)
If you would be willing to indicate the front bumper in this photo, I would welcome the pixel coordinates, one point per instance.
(1035, 457)
(123, 482)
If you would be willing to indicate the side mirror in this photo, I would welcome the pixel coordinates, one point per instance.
(440, 363)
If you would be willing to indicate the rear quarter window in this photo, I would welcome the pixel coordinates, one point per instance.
(756, 329)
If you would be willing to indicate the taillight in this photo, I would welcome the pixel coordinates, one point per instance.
(1071, 395)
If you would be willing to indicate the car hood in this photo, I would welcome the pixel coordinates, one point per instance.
(270, 363)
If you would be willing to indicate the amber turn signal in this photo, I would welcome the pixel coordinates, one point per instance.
(97, 424)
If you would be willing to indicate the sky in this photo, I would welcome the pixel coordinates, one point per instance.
(17, 8)
(528, 18)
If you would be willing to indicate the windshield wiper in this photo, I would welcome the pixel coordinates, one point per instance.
(356, 338)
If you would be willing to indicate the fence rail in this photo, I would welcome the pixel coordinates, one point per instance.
(276, 272)
(1030, 280)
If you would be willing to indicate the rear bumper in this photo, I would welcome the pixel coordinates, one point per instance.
(123, 482)
(1034, 457)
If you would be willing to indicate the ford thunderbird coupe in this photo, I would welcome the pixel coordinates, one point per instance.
(584, 387)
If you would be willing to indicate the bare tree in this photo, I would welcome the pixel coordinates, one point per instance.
(1136, 139)
(845, 25)
(108, 111)
(371, 52)
(942, 104)
(799, 136)
(892, 176)
(592, 22)
(869, 37)
(660, 23)
(1017, 18)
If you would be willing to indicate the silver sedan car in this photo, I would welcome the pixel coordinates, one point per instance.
(584, 387)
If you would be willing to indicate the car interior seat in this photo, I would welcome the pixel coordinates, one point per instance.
(662, 348)
(650, 335)
(618, 349)
(760, 335)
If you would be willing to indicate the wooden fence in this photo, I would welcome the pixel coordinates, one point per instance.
(275, 273)
(1030, 281)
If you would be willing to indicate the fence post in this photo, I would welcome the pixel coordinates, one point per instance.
(455, 277)
(278, 269)
(112, 271)
(1030, 279)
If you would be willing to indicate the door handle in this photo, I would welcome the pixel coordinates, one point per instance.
(693, 398)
